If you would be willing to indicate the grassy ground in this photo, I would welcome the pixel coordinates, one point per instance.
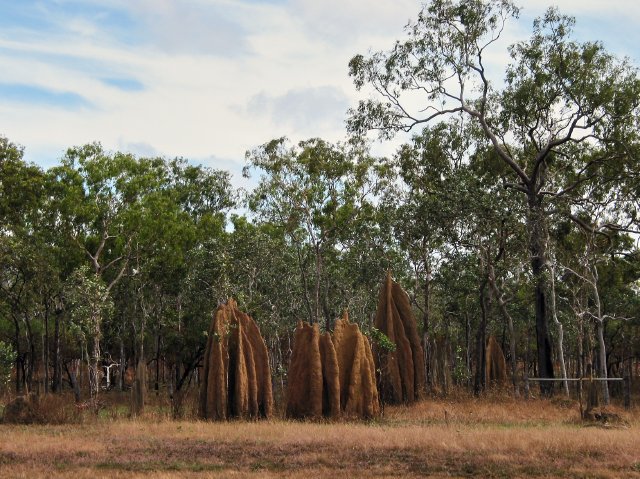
(488, 437)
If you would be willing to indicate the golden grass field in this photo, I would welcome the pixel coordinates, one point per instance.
(488, 437)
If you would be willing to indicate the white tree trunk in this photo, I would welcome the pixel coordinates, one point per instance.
(554, 315)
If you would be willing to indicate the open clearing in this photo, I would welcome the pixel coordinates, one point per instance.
(464, 438)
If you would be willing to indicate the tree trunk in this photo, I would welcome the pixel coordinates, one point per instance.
(505, 313)
(581, 361)
(481, 345)
(156, 385)
(19, 359)
(45, 350)
(57, 360)
(602, 361)
(602, 351)
(122, 363)
(94, 364)
(73, 381)
(467, 338)
(32, 353)
(536, 222)
(305, 282)
(554, 314)
(428, 350)
(316, 312)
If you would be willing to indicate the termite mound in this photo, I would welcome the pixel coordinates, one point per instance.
(401, 372)
(236, 376)
(331, 376)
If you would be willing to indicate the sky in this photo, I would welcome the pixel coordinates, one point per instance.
(208, 80)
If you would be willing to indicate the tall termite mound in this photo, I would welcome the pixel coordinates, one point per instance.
(313, 388)
(402, 373)
(358, 389)
(329, 376)
(236, 376)
(496, 364)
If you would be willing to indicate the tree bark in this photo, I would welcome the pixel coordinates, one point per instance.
(122, 362)
(73, 381)
(481, 342)
(57, 360)
(512, 336)
(602, 351)
(19, 358)
(157, 381)
(45, 349)
(536, 222)
(428, 349)
(32, 353)
(94, 372)
(554, 314)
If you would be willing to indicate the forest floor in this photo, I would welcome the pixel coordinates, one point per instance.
(466, 437)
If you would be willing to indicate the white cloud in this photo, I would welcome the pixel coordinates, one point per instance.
(340, 21)
(307, 110)
(217, 77)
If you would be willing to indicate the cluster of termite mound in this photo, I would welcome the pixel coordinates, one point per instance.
(236, 376)
(401, 370)
(331, 375)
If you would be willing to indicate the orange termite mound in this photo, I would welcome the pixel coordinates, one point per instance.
(312, 381)
(402, 374)
(236, 377)
(330, 376)
(358, 389)
(496, 364)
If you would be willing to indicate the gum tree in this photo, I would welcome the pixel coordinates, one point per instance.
(563, 112)
(320, 195)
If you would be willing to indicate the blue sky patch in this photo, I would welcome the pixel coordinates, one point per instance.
(35, 95)
(124, 84)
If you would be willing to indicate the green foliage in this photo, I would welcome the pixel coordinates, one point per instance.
(381, 340)
(88, 302)
(460, 372)
(7, 361)
(321, 198)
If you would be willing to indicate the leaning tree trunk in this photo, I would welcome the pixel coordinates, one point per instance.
(537, 224)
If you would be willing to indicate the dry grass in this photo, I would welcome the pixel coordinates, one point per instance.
(465, 438)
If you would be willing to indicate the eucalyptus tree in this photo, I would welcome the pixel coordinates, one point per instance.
(315, 192)
(182, 218)
(94, 201)
(559, 100)
(28, 277)
(179, 210)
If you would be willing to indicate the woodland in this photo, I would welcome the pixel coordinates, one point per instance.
(509, 216)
